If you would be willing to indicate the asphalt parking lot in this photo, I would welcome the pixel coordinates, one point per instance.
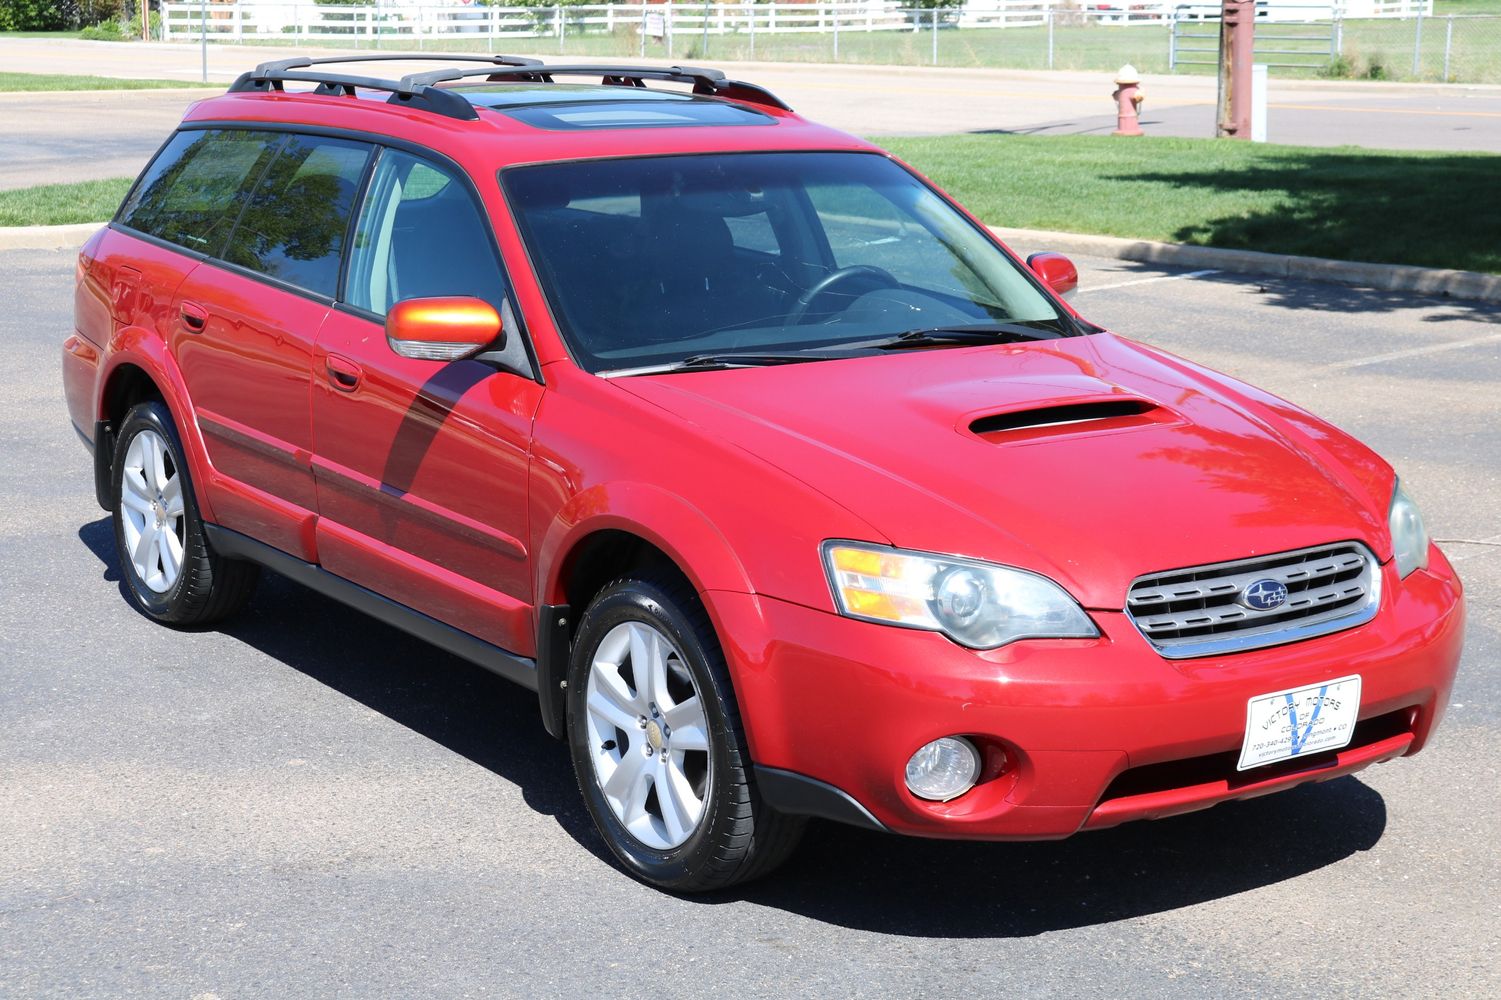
(308, 803)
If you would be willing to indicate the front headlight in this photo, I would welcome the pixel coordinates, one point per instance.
(1409, 537)
(976, 604)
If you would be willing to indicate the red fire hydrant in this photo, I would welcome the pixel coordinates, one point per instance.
(1128, 98)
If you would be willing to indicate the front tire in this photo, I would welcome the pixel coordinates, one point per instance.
(170, 572)
(657, 743)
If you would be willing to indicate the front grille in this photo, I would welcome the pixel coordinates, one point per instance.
(1201, 610)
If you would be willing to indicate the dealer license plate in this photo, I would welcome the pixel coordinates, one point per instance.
(1300, 722)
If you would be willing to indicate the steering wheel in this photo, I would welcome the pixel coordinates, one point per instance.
(874, 277)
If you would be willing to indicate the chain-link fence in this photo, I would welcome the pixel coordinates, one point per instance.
(1407, 43)
(1449, 49)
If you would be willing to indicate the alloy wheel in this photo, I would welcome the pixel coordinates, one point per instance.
(152, 504)
(648, 736)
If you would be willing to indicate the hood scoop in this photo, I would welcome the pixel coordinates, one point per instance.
(1074, 417)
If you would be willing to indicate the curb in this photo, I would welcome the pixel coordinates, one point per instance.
(213, 90)
(69, 237)
(1471, 285)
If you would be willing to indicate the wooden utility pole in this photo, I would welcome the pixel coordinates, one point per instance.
(1237, 39)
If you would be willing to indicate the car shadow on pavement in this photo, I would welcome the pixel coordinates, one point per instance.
(460, 706)
(840, 875)
(957, 889)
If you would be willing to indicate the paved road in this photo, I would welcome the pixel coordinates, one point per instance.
(308, 803)
(65, 137)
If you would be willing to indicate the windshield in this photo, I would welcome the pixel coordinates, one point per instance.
(648, 262)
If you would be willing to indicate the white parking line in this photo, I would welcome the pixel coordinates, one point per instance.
(1411, 352)
(1488, 546)
(1145, 281)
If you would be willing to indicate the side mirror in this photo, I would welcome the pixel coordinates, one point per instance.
(1056, 271)
(445, 328)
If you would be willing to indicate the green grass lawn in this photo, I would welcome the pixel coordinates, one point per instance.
(56, 204)
(49, 81)
(1443, 8)
(1429, 209)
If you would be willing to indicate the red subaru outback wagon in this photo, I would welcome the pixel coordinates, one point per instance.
(788, 489)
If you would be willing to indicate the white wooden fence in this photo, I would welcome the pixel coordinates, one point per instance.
(296, 21)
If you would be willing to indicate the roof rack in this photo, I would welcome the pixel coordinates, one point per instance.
(273, 76)
(422, 90)
(706, 82)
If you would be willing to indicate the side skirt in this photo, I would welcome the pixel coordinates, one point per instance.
(517, 669)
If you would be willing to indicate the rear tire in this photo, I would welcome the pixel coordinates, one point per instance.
(170, 572)
(679, 810)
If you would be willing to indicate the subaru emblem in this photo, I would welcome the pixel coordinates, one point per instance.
(1264, 595)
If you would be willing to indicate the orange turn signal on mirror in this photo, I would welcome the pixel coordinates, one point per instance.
(442, 328)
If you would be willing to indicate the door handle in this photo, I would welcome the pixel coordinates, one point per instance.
(194, 317)
(343, 374)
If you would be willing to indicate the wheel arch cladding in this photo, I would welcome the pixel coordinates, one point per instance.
(139, 363)
(591, 562)
(661, 519)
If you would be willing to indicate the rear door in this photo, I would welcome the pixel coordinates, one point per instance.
(180, 211)
(421, 466)
(244, 323)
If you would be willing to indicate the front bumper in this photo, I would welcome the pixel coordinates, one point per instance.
(1094, 732)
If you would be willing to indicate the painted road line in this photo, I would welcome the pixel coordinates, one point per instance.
(1411, 352)
(1146, 281)
(1387, 111)
(1484, 547)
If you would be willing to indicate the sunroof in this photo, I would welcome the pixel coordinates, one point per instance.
(565, 107)
(510, 95)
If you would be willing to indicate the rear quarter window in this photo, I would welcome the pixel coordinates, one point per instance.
(193, 191)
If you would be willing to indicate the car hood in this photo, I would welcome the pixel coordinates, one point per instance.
(1092, 460)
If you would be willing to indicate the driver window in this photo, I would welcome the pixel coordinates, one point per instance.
(420, 234)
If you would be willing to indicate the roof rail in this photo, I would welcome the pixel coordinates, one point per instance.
(422, 90)
(706, 82)
(272, 76)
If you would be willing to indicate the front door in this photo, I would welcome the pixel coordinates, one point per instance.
(421, 466)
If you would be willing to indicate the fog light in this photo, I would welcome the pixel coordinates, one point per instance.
(944, 769)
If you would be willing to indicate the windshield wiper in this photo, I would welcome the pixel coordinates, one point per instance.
(710, 362)
(748, 359)
(978, 333)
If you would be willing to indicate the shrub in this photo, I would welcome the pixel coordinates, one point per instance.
(37, 15)
(1339, 68)
(100, 11)
(107, 31)
(63, 15)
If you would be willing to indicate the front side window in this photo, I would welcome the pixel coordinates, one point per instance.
(293, 227)
(194, 189)
(420, 234)
(649, 262)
